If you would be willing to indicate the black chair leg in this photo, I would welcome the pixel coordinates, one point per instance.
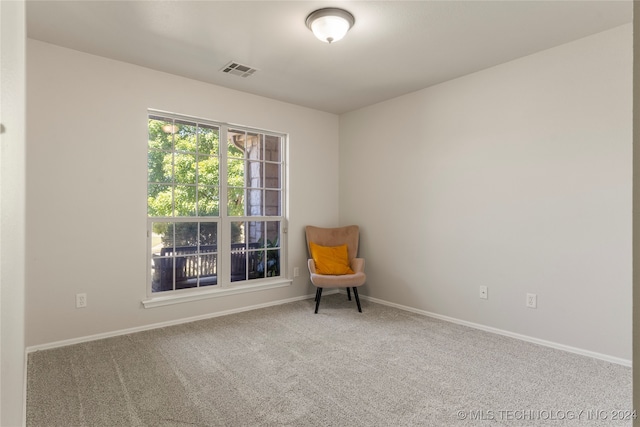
(349, 294)
(355, 294)
(318, 295)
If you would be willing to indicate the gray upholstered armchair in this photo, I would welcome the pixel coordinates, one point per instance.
(322, 241)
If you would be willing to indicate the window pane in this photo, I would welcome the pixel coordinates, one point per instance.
(185, 200)
(208, 269)
(186, 255)
(161, 260)
(272, 203)
(159, 200)
(185, 137)
(235, 204)
(162, 237)
(159, 167)
(269, 264)
(194, 256)
(272, 148)
(162, 274)
(185, 168)
(208, 201)
(256, 234)
(208, 170)
(160, 133)
(235, 143)
(272, 175)
(273, 234)
(186, 269)
(186, 236)
(238, 251)
(237, 233)
(254, 174)
(257, 270)
(254, 147)
(273, 263)
(257, 263)
(235, 172)
(254, 202)
(208, 236)
(208, 140)
(238, 265)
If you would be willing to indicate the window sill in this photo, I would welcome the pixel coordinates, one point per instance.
(162, 300)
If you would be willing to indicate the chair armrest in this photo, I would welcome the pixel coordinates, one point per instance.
(312, 266)
(357, 265)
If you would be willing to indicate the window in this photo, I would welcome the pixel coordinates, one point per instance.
(215, 202)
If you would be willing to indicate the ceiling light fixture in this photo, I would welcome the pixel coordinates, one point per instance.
(330, 24)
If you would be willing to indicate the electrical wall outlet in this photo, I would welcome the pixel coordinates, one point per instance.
(532, 301)
(484, 292)
(296, 271)
(81, 300)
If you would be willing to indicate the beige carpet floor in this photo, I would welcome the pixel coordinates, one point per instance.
(285, 366)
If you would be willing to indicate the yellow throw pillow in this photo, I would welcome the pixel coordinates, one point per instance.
(331, 260)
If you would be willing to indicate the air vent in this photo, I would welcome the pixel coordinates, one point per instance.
(238, 69)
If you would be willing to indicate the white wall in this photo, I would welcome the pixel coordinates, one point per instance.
(86, 187)
(636, 208)
(518, 178)
(12, 208)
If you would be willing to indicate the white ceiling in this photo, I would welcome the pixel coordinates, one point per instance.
(395, 47)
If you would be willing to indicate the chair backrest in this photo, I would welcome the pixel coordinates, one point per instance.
(335, 237)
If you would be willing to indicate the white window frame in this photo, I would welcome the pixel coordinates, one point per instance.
(225, 286)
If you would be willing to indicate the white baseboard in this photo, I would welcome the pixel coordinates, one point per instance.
(127, 331)
(580, 351)
(24, 387)
(583, 352)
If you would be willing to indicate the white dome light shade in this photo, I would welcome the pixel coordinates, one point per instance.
(330, 29)
(330, 24)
